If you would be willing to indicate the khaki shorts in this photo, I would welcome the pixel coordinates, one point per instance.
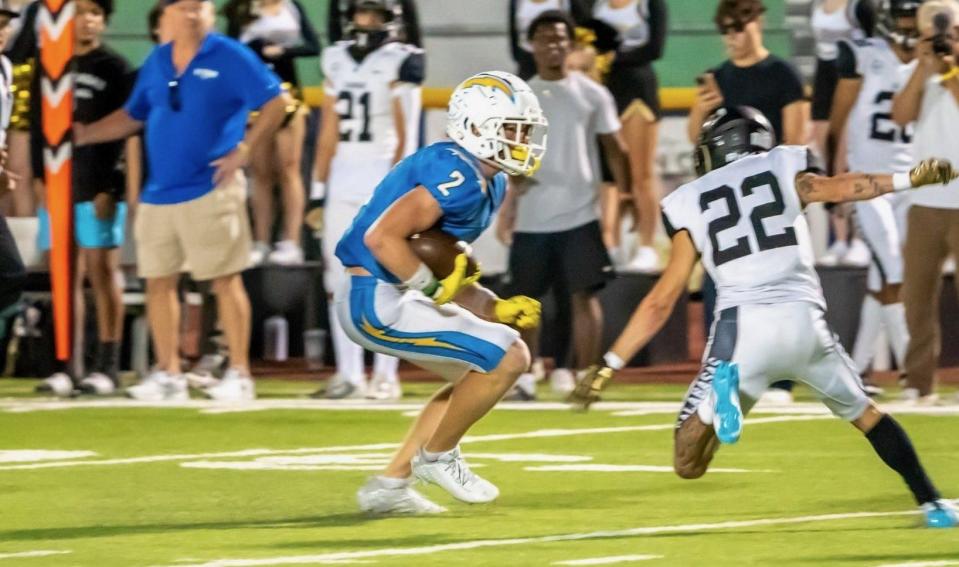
(208, 237)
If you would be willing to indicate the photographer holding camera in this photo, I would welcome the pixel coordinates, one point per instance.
(931, 98)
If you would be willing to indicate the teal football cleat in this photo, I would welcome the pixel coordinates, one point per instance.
(728, 420)
(940, 514)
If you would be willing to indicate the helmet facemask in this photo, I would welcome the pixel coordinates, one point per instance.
(520, 144)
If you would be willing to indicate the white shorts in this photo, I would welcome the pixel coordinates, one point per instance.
(882, 224)
(445, 339)
(786, 341)
(337, 218)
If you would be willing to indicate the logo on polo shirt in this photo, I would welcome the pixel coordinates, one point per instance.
(206, 73)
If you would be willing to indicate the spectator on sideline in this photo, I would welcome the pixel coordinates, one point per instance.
(103, 81)
(642, 26)
(550, 220)
(752, 76)
(367, 127)
(931, 98)
(193, 97)
(22, 48)
(522, 13)
(409, 31)
(12, 272)
(280, 32)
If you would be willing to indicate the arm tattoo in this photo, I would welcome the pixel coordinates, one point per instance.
(805, 186)
(867, 187)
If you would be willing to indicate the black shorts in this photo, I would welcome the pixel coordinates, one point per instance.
(824, 86)
(629, 84)
(571, 261)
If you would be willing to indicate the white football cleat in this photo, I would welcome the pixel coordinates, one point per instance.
(562, 381)
(379, 496)
(286, 253)
(384, 389)
(98, 384)
(59, 384)
(160, 386)
(233, 387)
(451, 472)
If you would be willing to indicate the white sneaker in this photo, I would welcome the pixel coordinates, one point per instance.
(911, 397)
(858, 254)
(834, 254)
(205, 373)
(98, 384)
(562, 381)
(233, 387)
(384, 389)
(59, 385)
(286, 253)
(776, 397)
(377, 497)
(340, 389)
(451, 472)
(259, 253)
(160, 386)
(538, 370)
(645, 261)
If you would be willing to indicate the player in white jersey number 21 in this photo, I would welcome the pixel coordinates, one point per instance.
(744, 216)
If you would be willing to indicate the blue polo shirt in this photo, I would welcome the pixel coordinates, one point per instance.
(217, 91)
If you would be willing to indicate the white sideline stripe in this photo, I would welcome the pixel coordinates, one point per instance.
(27, 554)
(541, 433)
(477, 544)
(596, 467)
(945, 563)
(34, 455)
(608, 560)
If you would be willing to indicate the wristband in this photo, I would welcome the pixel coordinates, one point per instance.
(422, 280)
(901, 182)
(613, 361)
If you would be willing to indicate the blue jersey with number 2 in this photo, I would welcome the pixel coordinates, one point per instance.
(452, 176)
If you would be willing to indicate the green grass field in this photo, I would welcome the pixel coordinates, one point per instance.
(227, 486)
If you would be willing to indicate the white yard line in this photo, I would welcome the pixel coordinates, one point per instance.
(28, 554)
(946, 563)
(541, 433)
(599, 467)
(492, 543)
(608, 560)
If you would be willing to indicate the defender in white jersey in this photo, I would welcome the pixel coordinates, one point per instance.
(871, 72)
(744, 216)
(370, 122)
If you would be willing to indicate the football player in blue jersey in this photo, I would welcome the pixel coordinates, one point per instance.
(392, 303)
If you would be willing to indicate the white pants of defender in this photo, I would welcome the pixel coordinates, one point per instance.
(769, 343)
(882, 222)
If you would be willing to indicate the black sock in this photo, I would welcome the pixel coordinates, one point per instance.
(893, 446)
(108, 359)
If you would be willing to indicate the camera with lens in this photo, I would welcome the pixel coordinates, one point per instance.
(943, 40)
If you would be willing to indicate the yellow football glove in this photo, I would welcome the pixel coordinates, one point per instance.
(588, 389)
(932, 172)
(519, 311)
(451, 285)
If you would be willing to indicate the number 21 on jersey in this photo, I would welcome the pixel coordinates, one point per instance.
(734, 223)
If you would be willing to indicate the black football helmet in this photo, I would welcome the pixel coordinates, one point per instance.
(370, 38)
(731, 133)
(890, 21)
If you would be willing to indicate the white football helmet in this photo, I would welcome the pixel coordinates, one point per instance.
(496, 117)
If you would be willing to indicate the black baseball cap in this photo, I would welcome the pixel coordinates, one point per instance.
(6, 11)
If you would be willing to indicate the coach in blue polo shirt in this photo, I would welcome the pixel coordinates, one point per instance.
(194, 96)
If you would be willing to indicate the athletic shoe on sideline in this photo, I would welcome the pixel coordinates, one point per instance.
(451, 473)
(911, 397)
(384, 389)
(940, 514)
(233, 387)
(259, 253)
(834, 254)
(286, 253)
(98, 384)
(776, 397)
(379, 497)
(728, 420)
(159, 386)
(58, 384)
(338, 388)
(206, 372)
(562, 381)
(858, 254)
(646, 261)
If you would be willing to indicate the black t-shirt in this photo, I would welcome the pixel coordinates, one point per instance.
(768, 86)
(103, 83)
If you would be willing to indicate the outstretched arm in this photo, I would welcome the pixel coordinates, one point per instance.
(654, 310)
(814, 188)
(116, 126)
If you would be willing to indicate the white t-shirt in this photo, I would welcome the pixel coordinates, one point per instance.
(937, 135)
(564, 193)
